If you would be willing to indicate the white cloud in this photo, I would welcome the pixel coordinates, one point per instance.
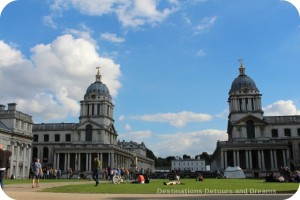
(175, 119)
(136, 136)
(49, 21)
(130, 13)
(200, 53)
(127, 127)
(281, 108)
(112, 37)
(83, 32)
(205, 24)
(190, 143)
(50, 84)
(121, 118)
(9, 55)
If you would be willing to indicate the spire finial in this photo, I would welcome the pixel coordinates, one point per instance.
(242, 69)
(98, 75)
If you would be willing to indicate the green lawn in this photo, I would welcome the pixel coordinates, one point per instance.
(208, 186)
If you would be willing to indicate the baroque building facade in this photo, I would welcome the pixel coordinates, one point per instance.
(74, 145)
(16, 136)
(256, 143)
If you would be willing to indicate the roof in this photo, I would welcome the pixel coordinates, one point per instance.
(242, 82)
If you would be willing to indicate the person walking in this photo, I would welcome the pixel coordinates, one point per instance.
(37, 172)
(96, 168)
(4, 163)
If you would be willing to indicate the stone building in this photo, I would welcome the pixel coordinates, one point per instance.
(256, 143)
(74, 145)
(16, 136)
(192, 165)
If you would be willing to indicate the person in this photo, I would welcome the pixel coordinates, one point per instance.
(96, 167)
(175, 182)
(200, 177)
(4, 163)
(37, 172)
(141, 179)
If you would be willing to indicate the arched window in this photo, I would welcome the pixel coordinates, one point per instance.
(250, 129)
(88, 133)
(45, 154)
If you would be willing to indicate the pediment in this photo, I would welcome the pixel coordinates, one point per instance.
(250, 117)
(89, 122)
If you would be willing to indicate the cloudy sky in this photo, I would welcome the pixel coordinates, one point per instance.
(169, 64)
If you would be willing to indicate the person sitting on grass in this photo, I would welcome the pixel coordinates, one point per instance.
(141, 179)
(199, 177)
(175, 182)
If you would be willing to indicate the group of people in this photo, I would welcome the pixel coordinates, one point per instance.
(285, 175)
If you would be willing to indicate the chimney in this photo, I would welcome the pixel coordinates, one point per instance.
(2, 107)
(12, 106)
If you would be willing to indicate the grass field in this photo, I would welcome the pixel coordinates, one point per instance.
(156, 186)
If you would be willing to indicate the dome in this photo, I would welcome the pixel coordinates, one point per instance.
(243, 82)
(98, 87)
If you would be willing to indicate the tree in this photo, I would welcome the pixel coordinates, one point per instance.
(186, 157)
(205, 156)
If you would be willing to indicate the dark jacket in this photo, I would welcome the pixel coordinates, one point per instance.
(4, 158)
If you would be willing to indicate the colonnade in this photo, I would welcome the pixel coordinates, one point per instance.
(255, 159)
(83, 161)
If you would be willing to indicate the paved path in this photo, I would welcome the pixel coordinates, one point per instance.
(25, 192)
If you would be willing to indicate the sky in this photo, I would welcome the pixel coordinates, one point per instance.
(168, 64)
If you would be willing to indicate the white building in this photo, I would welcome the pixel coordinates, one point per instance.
(192, 165)
(74, 145)
(256, 142)
(16, 136)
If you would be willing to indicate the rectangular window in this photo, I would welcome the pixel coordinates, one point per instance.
(274, 133)
(35, 138)
(298, 130)
(68, 138)
(57, 137)
(46, 138)
(287, 132)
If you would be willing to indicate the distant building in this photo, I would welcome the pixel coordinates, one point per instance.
(16, 136)
(191, 165)
(256, 143)
(74, 145)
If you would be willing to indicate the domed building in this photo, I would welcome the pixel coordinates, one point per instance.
(258, 144)
(74, 145)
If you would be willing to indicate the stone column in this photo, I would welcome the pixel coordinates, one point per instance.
(222, 159)
(112, 160)
(272, 160)
(54, 160)
(18, 160)
(275, 160)
(76, 162)
(259, 159)
(247, 159)
(250, 159)
(238, 157)
(68, 162)
(263, 160)
(57, 166)
(234, 158)
(86, 162)
(284, 157)
(79, 162)
(226, 164)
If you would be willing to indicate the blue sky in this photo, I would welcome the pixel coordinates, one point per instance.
(168, 64)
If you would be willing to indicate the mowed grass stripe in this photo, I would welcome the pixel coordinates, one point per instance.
(208, 186)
